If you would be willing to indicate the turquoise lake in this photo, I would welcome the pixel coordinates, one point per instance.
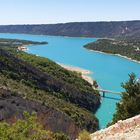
(109, 71)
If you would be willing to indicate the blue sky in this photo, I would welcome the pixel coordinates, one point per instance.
(57, 11)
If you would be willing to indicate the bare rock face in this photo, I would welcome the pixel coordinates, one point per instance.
(123, 130)
(13, 106)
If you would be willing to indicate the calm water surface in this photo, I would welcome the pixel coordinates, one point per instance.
(109, 71)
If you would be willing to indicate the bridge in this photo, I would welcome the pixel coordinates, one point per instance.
(106, 91)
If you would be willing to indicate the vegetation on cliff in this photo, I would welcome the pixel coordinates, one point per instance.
(50, 67)
(128, 47)
(13, 105)
(28, 128)
(43, 81)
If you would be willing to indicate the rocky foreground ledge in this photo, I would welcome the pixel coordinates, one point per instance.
(123, 130)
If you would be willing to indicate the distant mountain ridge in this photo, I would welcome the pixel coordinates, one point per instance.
(112, 29)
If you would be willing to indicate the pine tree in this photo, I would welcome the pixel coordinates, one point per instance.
(130, 103)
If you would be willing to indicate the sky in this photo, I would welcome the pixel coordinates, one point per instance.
(62, 11)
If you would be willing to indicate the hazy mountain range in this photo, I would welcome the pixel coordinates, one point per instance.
(79, 29)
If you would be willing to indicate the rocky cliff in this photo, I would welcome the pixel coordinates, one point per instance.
(13, 106)
(123, 130)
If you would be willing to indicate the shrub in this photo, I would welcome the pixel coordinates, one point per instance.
(84, 135)
(27, 129)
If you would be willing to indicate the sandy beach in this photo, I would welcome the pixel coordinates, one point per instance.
(84, 73)
(23, 48)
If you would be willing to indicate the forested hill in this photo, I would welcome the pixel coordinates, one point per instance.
(128, 48)
(80, 29)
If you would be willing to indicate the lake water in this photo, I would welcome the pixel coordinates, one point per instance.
(109, 71)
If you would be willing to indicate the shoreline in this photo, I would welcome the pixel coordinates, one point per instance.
(23, 48)
(52, 35)
(119, 55)
(84, 73)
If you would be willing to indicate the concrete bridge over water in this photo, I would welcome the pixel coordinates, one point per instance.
(107, 91)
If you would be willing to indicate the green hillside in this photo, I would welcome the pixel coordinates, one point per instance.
(43, 81)
(127, 47)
